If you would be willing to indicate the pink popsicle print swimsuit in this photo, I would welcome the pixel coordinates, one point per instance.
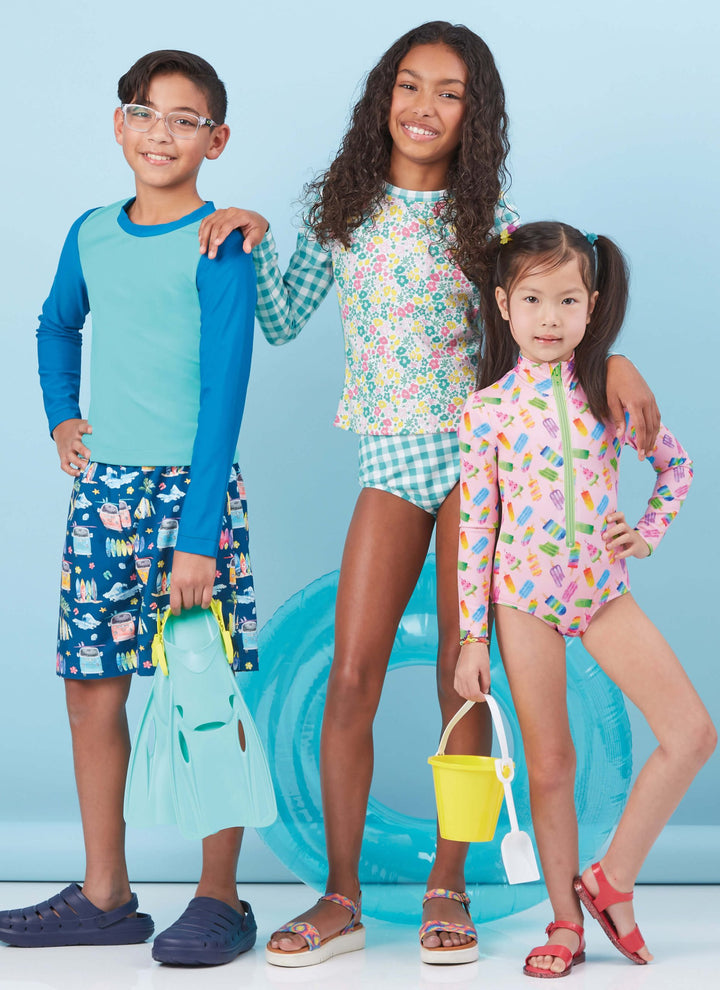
(538, 478)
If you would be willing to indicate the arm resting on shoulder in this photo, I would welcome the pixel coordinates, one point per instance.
(627, 391)
(286, 302)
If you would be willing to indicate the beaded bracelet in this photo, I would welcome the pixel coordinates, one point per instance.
(474, 639)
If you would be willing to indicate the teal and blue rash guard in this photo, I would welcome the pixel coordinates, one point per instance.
(172, 340)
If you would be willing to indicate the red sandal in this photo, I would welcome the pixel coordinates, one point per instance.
(606, 896)
(558, 951)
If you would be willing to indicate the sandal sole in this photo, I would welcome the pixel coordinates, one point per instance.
(605, 923)
(196, 957)
(546, 974)
(449, 957)
(117, 934)
(336, 945)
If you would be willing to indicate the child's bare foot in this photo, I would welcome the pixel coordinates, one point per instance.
(621, 914)
(553, 963)
(447, 934)
(327, 917)
(452, 911)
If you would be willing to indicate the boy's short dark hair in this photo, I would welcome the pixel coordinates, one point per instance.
(134, 85)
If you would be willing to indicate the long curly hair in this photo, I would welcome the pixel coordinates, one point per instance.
(351, 189)
(542, 247)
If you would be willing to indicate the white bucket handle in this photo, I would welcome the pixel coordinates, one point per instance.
(497, 725)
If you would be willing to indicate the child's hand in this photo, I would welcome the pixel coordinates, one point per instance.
(74, 455)
(622, 540)
(191, 581)
(628, 390)
(215, 228)
(472, 673)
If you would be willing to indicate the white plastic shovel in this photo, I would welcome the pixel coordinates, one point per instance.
(516, 847)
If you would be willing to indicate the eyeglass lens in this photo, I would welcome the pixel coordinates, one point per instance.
(183, 125)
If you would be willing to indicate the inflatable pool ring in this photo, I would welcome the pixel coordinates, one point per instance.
(296, 648)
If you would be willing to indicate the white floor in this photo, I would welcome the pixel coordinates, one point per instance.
(680, 924)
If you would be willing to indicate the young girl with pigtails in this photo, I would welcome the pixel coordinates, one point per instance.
(542, 538)
(395, 222)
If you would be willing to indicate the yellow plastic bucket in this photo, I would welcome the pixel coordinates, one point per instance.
(469, 796)
(469, 790)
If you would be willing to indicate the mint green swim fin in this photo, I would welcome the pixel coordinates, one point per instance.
(217, 773)
(149, 798)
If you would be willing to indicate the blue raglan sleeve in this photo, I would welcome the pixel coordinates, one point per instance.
(59, 339)
(227, 293)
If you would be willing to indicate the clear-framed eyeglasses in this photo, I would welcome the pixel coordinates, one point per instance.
(179, 123)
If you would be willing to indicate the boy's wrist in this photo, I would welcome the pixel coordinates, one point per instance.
(199, 546)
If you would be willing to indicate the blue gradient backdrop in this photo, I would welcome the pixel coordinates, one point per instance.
(614, 128)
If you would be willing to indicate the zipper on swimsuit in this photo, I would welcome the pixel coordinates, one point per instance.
(567, 454)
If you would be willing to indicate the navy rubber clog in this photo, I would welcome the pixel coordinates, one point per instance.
(208, 933)
(69, 918)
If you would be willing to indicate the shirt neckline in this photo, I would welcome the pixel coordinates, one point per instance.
(415, 195)
(154, 230)
(542, 370)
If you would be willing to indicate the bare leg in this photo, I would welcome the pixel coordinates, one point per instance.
(534, 658)
(219, 867)
(472, 735)
(634, 654)
(384, 552)
(101, 749)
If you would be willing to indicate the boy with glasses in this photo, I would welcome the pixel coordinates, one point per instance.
(171, 349)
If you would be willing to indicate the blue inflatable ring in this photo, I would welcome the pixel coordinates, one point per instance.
(296, 648)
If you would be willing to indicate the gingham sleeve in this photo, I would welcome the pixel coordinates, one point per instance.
(479, 517)
(286, 302)
(506, 216)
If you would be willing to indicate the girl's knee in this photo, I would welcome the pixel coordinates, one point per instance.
(353, 691)
(551, 771)
(692, 741)
(702, 740)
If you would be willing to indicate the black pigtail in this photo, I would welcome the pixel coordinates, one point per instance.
(591, 354)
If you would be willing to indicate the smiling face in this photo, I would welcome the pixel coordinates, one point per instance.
(548, 311)
(426, 116)
(159, 160)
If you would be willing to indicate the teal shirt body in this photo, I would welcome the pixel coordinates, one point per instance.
(170, 356)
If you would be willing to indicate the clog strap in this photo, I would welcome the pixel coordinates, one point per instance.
(351, 906)
(446, 926)
(306, 931)
(106, 918)
(607, 895)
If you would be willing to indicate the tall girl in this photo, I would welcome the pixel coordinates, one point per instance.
(395, 222)
(542, 538)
